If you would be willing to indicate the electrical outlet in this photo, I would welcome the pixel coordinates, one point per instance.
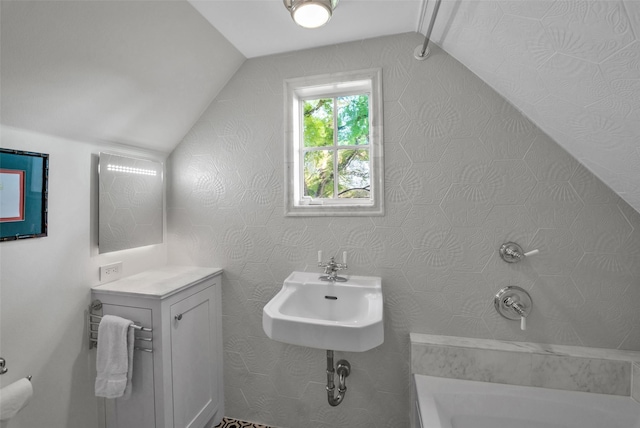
(110, 272)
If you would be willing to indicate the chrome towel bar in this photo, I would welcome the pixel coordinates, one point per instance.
(134, 326)
(96, 305)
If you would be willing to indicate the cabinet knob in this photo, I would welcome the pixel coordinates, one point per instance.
(178, 317)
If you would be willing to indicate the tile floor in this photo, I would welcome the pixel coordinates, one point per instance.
(234, 423)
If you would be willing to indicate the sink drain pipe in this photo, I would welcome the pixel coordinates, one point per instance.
(343, 369)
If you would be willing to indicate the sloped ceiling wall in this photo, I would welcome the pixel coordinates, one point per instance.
(571, 66)
(141, 73)
(131, 72)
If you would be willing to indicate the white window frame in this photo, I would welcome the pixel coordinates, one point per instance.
(331, 86)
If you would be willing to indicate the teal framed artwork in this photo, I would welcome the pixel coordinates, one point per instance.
(24, 179)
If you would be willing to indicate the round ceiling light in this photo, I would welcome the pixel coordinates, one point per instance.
(311, 13)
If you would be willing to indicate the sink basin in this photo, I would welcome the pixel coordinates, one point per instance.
(338, 316)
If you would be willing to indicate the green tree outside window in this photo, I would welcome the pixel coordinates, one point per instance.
(336, 147)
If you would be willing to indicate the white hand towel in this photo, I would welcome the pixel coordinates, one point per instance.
(14, 397)
(114, 362)
(131, 338)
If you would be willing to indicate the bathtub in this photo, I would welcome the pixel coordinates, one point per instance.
(452, 403)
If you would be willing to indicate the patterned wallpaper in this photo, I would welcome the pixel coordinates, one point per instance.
(465, 172)
(572, 66)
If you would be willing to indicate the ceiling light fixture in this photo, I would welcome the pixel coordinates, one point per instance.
(310, 13)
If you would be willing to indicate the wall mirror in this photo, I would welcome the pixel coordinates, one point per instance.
(131, 202)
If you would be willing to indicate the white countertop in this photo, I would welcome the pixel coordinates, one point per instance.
(158, 283)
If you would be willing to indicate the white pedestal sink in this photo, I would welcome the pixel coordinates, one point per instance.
(340, 316)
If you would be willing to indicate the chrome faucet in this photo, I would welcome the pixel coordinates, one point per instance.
(513, 253)
(514, 303)
(509, 302)
(331, 271)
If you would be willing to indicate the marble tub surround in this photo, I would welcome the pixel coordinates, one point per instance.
(525, 347)
(604, 371)
(635, 382)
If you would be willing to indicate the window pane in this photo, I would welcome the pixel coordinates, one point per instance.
(353, 120)
(353, 171)
(318, 174)
(318, 122)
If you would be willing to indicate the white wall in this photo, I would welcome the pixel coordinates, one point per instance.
(135, 72)
(45, 285)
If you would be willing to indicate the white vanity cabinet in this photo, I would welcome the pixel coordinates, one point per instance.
(179, 384)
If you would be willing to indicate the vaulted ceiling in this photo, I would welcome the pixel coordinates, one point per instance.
(138, 73)
(141, 73)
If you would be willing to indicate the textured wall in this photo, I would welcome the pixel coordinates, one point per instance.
(464, 172)
(572, 66)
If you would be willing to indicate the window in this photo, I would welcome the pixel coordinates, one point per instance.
(334, 145)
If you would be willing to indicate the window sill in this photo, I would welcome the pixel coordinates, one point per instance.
(341, 210)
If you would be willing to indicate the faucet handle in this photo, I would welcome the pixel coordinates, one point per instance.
(514, 303)
(520, 310)
(513, 253)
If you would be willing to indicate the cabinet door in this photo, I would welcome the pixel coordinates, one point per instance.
(193, 365)
(139, 410)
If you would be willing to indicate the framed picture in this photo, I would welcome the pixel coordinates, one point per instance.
(23, 194)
